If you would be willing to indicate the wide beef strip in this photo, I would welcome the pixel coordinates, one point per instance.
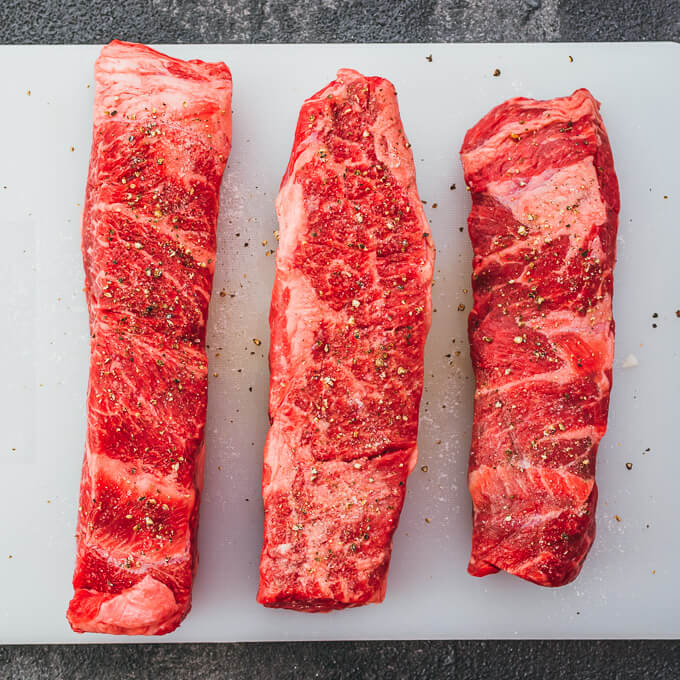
(543, 227)
(162, 134)
(349, 316)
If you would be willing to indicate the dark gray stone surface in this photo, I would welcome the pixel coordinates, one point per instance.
(559, 660)
(167, 21)
(619, 20)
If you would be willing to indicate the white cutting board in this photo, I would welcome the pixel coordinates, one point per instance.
(628, 586)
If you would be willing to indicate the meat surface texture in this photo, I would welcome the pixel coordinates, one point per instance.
(162, 133)
(350, 312)
(543, 224)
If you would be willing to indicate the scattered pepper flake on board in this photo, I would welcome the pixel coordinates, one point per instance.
(496, 72)
(629, 466)
(257, 341)
(452, 187)
(429, 58)
(617, 518)
(571, 59)
(424, 468)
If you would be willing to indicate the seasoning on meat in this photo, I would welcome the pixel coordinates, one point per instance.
(349, 316)
(543, 224)
(162, 134)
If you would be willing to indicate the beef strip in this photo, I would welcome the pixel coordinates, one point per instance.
(543, 224)
(162, 134)
(350, 312)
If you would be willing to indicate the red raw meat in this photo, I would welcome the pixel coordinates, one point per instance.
(543, 227)
(349, 316)
(162, 134)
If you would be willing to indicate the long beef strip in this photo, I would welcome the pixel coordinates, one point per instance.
(162, 134)
(543, 224)
(349, 316)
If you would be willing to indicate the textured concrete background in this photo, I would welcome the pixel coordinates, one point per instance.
(167, 21)
(215, 21)
(538, 660)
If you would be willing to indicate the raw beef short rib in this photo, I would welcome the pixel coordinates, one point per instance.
(162, 133)
(349, 317)
(543, 224)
